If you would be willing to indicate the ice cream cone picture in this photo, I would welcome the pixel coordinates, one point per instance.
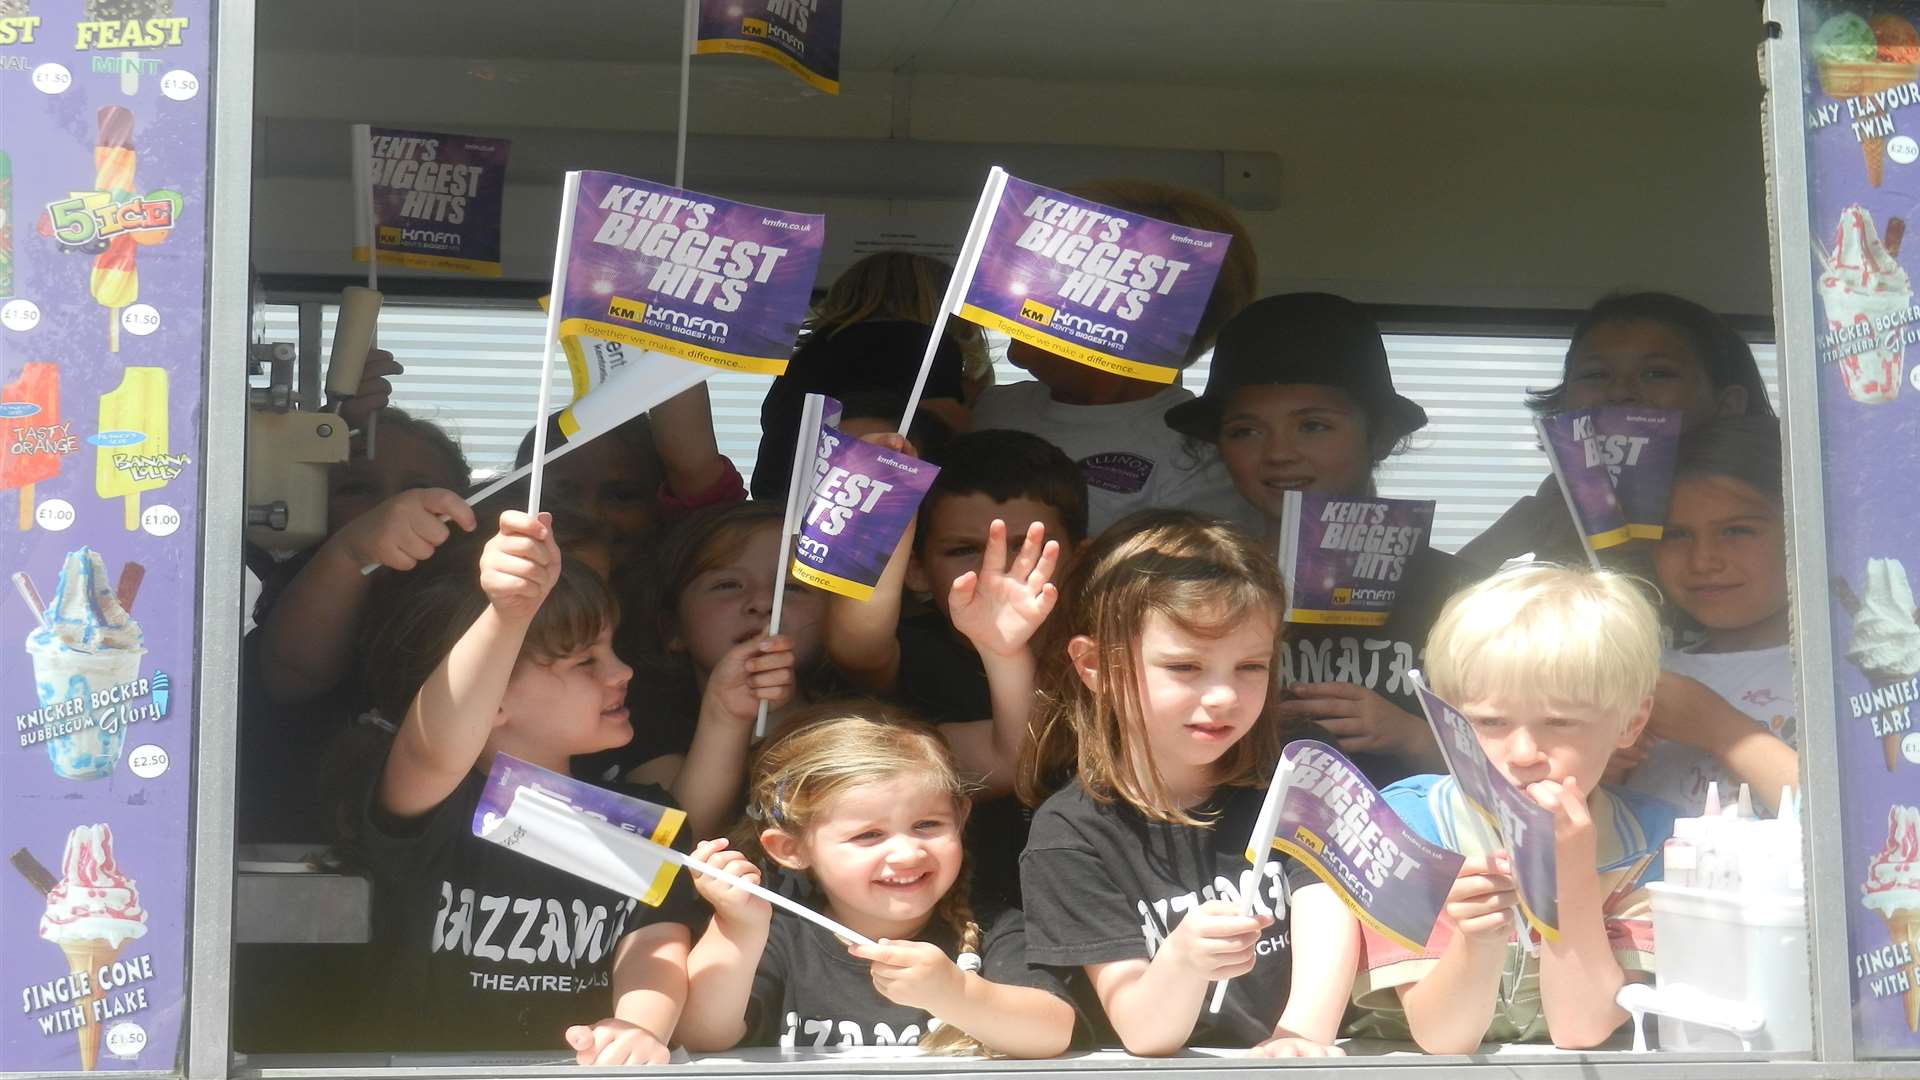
(115, 282)
(1859, 57)
(1892, 889)
(92, 911)
(31, 401)
(1885, 645)
(125, 465)
(1866, 294)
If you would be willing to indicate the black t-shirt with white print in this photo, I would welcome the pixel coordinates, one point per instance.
(809, 992)
(484, 948)
(1379, 657)
(1104, 883)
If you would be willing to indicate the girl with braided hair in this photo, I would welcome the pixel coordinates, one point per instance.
(870, 807)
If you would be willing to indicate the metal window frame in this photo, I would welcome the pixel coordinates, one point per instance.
(208, 1048)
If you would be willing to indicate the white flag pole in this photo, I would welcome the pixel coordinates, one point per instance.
(369, 235)
(963, 268)
(562, 250)
(797, 491)
(689, 24)
(1260, 847)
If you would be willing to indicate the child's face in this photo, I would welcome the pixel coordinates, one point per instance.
(1293, 437)
(573, 705)
(1198, 694)
(616, 481)
(402, 462)
(884, 853)
(1529, 743)
(1723, 557)
(956, 537)
(731, 603)
(1647, 363)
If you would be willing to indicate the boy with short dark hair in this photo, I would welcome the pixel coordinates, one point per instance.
(921, 659)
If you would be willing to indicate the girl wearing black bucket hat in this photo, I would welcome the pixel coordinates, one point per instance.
(1300, 398)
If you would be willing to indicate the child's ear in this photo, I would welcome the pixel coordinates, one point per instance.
(1084, 653)
(1731, 401)
(1638, 724)
(784, 848)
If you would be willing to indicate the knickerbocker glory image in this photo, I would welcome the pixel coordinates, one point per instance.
(819, 537)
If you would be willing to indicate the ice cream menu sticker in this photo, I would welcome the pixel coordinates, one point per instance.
(103, 183)
(1861, 62)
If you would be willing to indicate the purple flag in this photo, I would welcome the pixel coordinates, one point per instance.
(1639, 447)
(1343, 559)
(436, 200)
(1525, 827)
(1336, 823)
(510, 776)
(858, 501)
(802, 36)
(1098, 285)
(1574, 449)
(688, 275)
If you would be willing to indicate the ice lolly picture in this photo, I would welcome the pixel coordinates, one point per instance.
(6, 225)
(1892, 888)
(115, 282)
(1865, 293)
(22, 464)
(138, 406)
(92, 911)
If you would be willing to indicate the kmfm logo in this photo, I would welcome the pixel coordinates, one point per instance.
(753, 27)
(1036, 312)
(1308, 840)
(389, 234)
(628, 310)
(1342, 596)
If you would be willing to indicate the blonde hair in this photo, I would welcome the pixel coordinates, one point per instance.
(1206, 576)
(834, 748)
(1239, 272)
(1548, 635)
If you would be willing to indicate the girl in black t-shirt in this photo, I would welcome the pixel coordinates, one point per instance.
(1151, 754)
(870, 807)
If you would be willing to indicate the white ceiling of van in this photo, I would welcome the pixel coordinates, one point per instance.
(1681, 51)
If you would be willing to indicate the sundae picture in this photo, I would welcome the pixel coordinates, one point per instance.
(1865, 292)
(85, 641)
(1857, 57)
(1893, 890)
(93, 910)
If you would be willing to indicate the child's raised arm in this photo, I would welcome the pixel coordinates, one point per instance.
(446, 728)
(721, 968)
(1579, 976)
(861, 636)
(1019, 1021)
(1325, 940)
(649, 989)
(999, 611)
(708, 782)
(307, 639)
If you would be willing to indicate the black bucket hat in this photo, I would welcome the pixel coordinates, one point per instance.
(1315, 338)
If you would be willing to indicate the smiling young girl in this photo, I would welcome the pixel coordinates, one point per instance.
(1152, 754)
(870, 807)
(1723, 709)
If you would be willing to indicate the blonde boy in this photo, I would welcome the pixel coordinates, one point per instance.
(1555, 669)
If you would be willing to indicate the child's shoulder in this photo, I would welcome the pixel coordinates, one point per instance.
(1072, 817)
(1424, 802)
